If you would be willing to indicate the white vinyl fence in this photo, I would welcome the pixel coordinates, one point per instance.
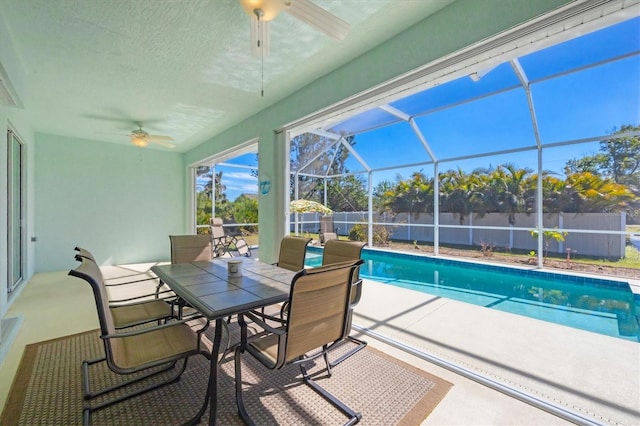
(589, 234)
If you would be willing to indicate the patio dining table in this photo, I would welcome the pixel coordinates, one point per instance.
(208, 287)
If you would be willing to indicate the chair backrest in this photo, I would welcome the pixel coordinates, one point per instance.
(337, 251)
(318, 308)
(190, 248)
(326, 224)
(292, 252)
(84, 253)
(217, 230)
(89, 271)
(327, 236)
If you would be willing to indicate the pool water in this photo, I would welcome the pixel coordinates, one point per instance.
(597, 305)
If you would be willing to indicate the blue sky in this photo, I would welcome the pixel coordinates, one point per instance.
(588, 103)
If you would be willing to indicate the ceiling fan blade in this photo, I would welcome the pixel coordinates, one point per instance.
(160, 138)
(318, 18)
(259, 31)
(163, 143)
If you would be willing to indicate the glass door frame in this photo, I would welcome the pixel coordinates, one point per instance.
(15, 207)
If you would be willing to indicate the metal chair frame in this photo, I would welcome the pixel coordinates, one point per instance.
(174, 331)
(298, 348)
(225, 242)
(340, 251)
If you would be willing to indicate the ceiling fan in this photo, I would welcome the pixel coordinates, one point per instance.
(141, 139)
(263, 11)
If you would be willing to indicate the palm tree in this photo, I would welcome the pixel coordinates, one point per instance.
(514, 189)
(414, 195)
(460, 192)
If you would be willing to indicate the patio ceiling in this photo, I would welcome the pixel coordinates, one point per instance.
(183, 69)
(561, 94)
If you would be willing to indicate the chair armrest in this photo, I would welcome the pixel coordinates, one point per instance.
(149, 296)
(258, 320)
(264, 316)
(356, 293)
(147, 329)
(118, 304)
(128, 282)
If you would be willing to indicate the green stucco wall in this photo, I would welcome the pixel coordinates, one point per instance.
(118, 201)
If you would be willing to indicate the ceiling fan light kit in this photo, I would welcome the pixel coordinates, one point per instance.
(264, 10)
(261, 12)
(141, 139)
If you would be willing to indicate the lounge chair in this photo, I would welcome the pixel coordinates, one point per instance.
(225, 243)
(152, 350)
(316, 320)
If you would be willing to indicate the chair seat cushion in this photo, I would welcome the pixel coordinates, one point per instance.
(265, 349)
(165, 344)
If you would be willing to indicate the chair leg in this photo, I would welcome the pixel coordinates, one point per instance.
(242, 411)
(88, 395)
(352, 415)
(361, 344)
(325, 355)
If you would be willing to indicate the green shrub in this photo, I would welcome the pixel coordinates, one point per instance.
(381, 234)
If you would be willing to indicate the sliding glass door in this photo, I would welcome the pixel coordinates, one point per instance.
(15, 207)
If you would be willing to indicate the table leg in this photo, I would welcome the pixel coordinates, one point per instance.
(211, 396)
(213, 374)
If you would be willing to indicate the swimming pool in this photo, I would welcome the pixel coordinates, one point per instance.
(598, 305)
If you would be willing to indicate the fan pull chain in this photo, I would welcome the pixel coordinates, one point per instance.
(259, 13)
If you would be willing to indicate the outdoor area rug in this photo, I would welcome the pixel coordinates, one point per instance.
(47, 390)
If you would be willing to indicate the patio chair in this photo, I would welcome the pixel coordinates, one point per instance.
(190, 248)
(327, 236)
(292, 252)
(137, 310)
(336, 251)
(127, 286)
(224, 242)
(316, 319)
(327, 230)
(151, 351)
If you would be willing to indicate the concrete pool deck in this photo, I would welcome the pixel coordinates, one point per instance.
(595, 376)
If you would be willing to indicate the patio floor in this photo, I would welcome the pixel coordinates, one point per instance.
(585, 373)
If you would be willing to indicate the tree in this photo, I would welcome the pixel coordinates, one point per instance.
(516, 190)
(245, 210)
(591, 193)
(320, 156)
(204, 183)
(619, 159)
(414, 195)
(458, 192)
(347, 194)
(382, 191)
(310, 154)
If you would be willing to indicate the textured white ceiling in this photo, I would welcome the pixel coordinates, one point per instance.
(181, 67)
